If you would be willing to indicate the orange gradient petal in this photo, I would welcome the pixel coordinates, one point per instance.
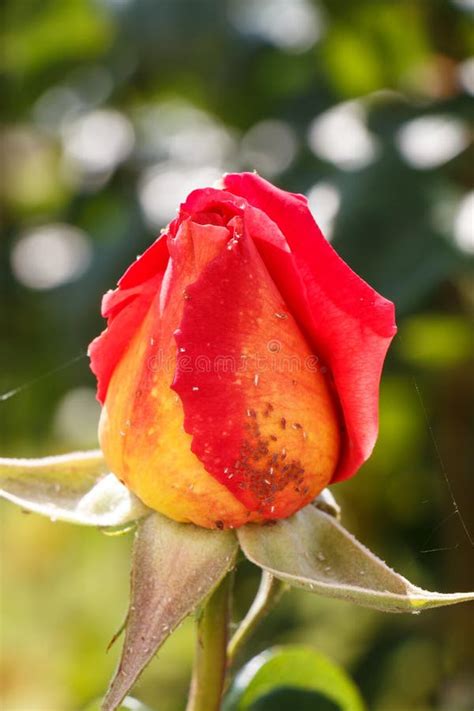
(141, 429)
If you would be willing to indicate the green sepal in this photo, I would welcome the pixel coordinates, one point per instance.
(175, 567)
(311, 550)
(75, 487)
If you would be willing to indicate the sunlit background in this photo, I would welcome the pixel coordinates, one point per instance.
(114, 110)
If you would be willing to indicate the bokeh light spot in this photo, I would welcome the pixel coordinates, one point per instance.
(429, 141)
(98, 141)
(293, 26)
(269, 147)
(340, 135)
(166, 185)
(464, 224)
(77, 417)
(50, 256)
(324, 200)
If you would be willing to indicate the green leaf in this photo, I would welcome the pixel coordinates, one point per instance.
(289, 699)
(72, 487)
(175, 567)
(311, 550)
(297, 667)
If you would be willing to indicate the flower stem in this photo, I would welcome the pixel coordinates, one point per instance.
(210, 663)
(268, 595)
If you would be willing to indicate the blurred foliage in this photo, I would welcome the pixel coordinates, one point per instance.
(112, 109)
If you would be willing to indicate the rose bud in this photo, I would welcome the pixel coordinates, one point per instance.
(240, 368)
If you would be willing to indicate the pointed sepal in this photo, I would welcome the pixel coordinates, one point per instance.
(311, 550)
(175, 567)
(326, 502)
(75, 487)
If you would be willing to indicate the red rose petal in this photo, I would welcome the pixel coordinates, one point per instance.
(125, 308)
(269, 435)
(350, 324)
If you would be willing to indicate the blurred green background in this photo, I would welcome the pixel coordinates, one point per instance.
(114, 110)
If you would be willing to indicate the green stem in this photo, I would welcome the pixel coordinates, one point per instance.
(210, 663)
(268, 595)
